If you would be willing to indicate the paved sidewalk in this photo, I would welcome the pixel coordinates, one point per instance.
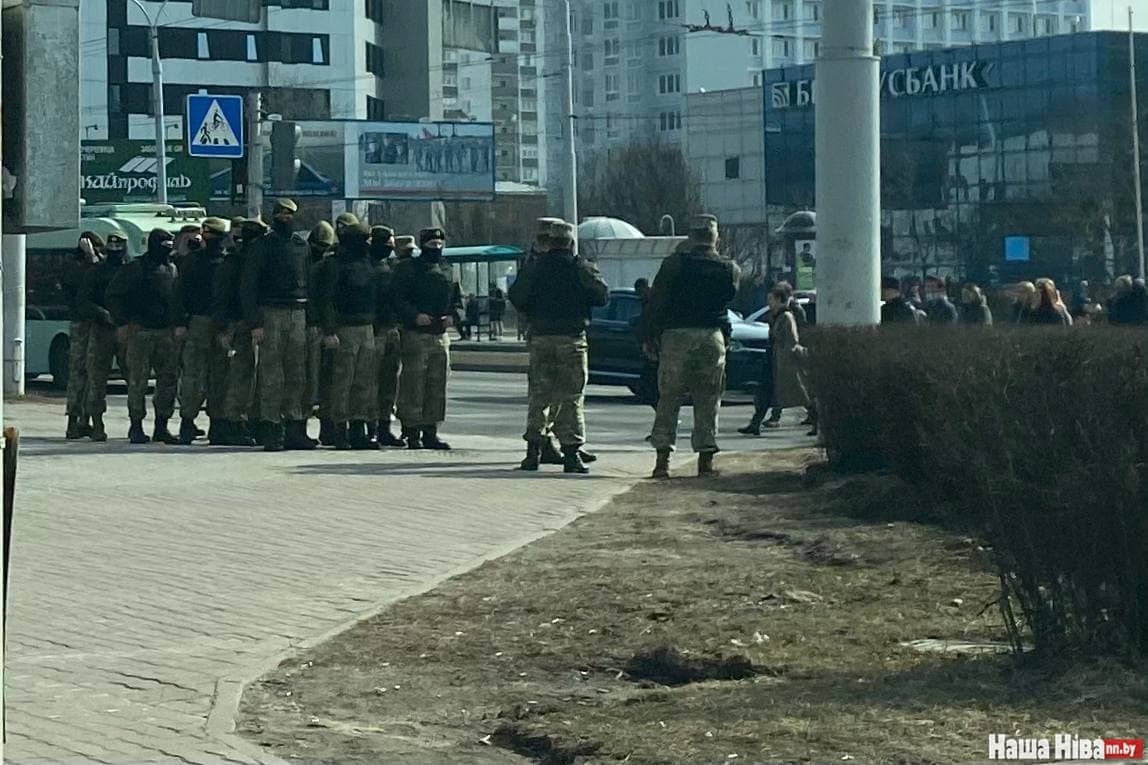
(148, 584)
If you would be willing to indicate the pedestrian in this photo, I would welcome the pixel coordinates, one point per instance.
(1049, 310)
(974, 308)
(1138, 303)
(347, 308)
(204, 360)
(785, 359)
(388, 338)
(142, 301)
(273, 288)
(938, 308)
(320, 245)
(1118, 303)
(471, 325)
(896, 309)
(428, 299)
(1025, 300)
(497, 309)
(88, 254)
(103, 347)
(558, 291)
(234, 337)
(687, 325)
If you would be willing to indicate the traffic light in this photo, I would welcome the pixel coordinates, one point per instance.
(284, 164)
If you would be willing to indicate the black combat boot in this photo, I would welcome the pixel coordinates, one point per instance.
(412, 439)
(187, 431)
(587, 457)
(432, 441)
(85, 426)
(706, 467)
(662, 467)
(162, 435)
(136, 433)
(339, 437)
(572, 461)
(326, 432)
(98, 432)
(550, 453)
(533, 456)
(296, 438)
(271, 436)
(385, 437)
(360, 437)
(754, 426)
(73, 432)
(239, 433)
(222, 433)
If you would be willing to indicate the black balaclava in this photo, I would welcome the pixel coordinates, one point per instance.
(159, 246)
(381, 250)
(116, 252)
(282, 227)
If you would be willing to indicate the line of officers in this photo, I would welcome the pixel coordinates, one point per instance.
(259, 325)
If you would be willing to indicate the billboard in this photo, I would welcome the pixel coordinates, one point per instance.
(438, 161)
(124, 171)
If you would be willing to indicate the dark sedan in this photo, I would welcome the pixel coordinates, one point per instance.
(616, 355)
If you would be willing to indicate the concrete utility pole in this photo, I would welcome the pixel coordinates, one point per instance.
(157, 97)
(570, 191)
(254, 155)
(848, 166)
(1136, 147)
(3, 537)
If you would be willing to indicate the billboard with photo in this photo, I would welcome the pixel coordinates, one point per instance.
(342, 159)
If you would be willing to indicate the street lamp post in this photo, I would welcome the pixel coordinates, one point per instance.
(157, 98)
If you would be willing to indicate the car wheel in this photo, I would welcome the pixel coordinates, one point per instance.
(58, 361)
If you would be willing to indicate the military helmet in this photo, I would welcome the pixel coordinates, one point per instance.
(214, 225)
(285, 205)
(430, 234)
(346, 219)
(562, 232)
(323, 234)
(381, 233)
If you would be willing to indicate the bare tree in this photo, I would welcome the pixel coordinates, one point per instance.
(638, 182)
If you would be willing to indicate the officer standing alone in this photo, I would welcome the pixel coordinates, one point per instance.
(687, 322)
(274, 293)
(427, 298)
(142, 301)
(558, 291)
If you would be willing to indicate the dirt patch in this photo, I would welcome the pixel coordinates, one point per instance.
(645, 633)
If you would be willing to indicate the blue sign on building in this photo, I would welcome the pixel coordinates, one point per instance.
(214, 126)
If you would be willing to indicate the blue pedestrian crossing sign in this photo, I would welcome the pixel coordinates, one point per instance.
(214, 126)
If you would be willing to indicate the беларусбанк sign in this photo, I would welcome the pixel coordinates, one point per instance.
(896, 83)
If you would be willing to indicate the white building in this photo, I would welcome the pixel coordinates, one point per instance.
(318, 59)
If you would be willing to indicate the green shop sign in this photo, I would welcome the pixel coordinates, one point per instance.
(124, 171)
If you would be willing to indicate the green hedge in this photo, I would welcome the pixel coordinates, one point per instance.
(1038, 436)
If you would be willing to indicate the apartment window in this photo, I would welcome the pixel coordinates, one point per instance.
(991, 22)
(588, 59)
(633, 11)
(375, 60)
(756, 80)
(933, 20)
(610, 10)
(375, 11)
(669, 83)
(669, 46)
(669, 9)
(902, 18)
(588, 98)
(755, 47)
(634, 85)
(812, 49)
(612, 93)
(960, 21)
(812, 11)
(376, 110)
(302, 49)
(732, 168)
(318, 54)
(782, 47)
(1016, 23)
(613, 50)
(782, 11)
(1048, 25)
(202, 48)
(252, 50)
(114, 41)
(753, 8)
(669, 121)
(587, 25)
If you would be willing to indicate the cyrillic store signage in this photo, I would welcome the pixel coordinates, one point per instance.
(896, 83)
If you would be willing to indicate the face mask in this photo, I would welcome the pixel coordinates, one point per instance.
(381, 251)
(194, 244)
(116, 257)
(431, 255)
(282, 226)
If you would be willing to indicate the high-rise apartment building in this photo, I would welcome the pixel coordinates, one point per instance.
(317, 59)
(503, 84)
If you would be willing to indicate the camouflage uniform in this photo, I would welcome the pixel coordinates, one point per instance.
(388, 339)
(239, 398)
(103, 346)
(79, 334)
(687, 317)
(205, 363)
(316, 389)
(152, 350)
(557, 292)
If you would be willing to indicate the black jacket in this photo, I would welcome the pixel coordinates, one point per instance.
(557, 292)
(692, 289)
(197, 281)
(941, 311)
(71, 282)
(226, 306)
(899, 311)
(424, 287)
(143, 292)
(275, 275)
(348, 291)
(387, 314)
(93, 302)
(976, 313)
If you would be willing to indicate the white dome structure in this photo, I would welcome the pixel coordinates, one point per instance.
(607, 228)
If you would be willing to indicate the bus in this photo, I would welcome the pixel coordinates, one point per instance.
(46, 339)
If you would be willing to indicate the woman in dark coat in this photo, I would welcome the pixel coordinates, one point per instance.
(497, 308)
(788, 388)
(974, 307)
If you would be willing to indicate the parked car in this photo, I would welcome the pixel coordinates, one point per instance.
(616, 354)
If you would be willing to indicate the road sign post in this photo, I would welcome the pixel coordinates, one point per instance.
(215, 126)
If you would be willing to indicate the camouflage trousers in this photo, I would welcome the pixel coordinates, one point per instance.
(422, 387)
(148, 350)
(79, 336)
(238, 401)
(205, 368)
(103, 348)
(282, 364)
(557, 385)
(692, 363)
(353, 374)
(389, 355)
